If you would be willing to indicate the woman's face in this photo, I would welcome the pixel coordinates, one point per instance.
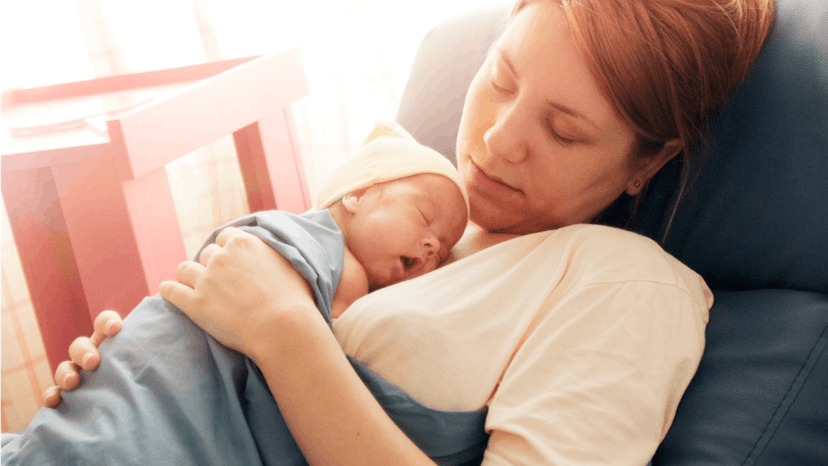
(540, 146)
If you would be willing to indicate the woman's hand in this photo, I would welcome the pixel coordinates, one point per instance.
(241, 291)
(83, 353)
(251, 299)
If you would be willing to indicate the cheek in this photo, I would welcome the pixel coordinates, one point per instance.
(561, 187)
(474, 111)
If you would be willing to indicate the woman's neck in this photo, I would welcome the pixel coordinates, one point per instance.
(475, 239)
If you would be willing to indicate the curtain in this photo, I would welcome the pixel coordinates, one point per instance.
(356, 55)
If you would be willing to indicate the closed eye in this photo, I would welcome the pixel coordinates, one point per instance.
(555, 135)
(500, 88)
(425, 219)
(562, 139)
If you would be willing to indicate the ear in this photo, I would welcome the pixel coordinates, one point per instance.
(649, 166)
(353, 201)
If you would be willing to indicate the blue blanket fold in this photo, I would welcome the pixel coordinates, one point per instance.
(168, 393)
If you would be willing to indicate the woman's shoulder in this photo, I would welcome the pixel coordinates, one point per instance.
(603, 254)
(595, 241)
(606, 233)
(609, 245)
(585, 254)
(585, 242)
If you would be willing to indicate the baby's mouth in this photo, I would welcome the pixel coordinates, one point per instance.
(409, 264)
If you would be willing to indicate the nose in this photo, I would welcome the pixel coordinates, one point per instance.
(506, 138)
(430, 247)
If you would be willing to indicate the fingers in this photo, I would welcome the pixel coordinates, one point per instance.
(176, 293)
(227, 234)
(224, 237)
(107, 324)
(84, 352)
(67, 375)
(51, 397)
(207, 253)
(187, 273)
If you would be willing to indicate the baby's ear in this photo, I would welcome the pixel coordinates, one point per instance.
(351, 201)
(387, 128)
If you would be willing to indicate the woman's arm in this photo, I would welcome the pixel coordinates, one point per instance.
(321, 397)
(233, 295)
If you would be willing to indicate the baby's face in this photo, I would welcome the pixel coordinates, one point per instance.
(404, 228)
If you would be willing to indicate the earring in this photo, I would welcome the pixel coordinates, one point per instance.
(637, 184)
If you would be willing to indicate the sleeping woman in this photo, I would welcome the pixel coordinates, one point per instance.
(572, 342)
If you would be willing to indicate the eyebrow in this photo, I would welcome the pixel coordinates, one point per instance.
(559, 106)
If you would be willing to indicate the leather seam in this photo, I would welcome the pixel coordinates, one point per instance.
(788, 400)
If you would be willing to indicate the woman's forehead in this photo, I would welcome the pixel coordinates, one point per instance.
(540, 47)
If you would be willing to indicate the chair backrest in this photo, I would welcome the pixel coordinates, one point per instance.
(443, 69)
(758, 217)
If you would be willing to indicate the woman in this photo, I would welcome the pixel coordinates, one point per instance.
(580, 339)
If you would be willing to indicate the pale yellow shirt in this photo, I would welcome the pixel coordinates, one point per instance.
(580, 341)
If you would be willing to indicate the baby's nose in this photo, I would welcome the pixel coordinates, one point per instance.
(431, 245)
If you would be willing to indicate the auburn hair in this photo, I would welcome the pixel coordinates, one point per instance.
(667, 66)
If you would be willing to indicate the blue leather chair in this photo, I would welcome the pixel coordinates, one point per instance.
(755, 227)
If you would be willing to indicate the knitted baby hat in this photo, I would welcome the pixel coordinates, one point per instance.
(388, 153)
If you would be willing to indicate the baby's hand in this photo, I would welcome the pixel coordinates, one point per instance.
(84, 355)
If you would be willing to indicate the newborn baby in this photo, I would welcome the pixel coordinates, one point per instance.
(401, 208)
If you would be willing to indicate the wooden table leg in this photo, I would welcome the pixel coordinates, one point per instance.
(271, 164)
(125, 234)
(47, 259)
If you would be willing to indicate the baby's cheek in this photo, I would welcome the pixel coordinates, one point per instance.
(430, 267)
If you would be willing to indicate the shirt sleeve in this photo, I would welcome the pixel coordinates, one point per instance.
(599, 378)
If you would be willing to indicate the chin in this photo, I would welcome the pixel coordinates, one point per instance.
(496, 220)
(491, 219)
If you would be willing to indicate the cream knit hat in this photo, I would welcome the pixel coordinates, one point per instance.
(389, 153)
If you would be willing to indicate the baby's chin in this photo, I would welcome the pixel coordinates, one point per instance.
(376, 283)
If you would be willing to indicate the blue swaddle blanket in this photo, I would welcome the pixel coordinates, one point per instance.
(168, 393)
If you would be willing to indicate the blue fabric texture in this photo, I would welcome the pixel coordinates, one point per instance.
(168, 393)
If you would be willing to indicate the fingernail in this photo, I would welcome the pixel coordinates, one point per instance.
(63, 383)
(110, 324)
(85, 359)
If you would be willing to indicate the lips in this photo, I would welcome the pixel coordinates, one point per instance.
(398, 274)
(490, 182)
